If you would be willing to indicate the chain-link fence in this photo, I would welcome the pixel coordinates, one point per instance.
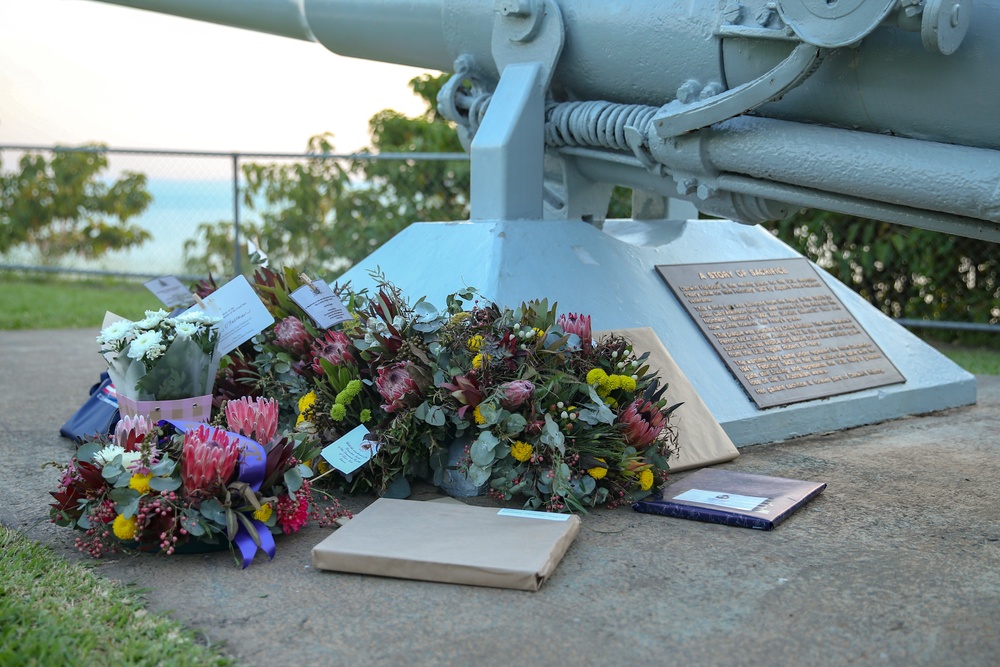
(329, 211)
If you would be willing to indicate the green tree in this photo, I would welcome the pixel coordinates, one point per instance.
(64, 205)
(324, 213)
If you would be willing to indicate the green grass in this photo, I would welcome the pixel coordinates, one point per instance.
(31, 302)
(55, 613)
(980, 361)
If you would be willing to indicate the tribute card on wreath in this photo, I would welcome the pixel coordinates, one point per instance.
(780, 330)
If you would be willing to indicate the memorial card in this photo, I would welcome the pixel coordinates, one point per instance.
(780, 330)
(243, 314)
(321, 304)
(170, 291)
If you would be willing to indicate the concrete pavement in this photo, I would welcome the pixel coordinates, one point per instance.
(897, 562)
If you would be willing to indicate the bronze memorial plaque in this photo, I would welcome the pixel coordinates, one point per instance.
(781, 331)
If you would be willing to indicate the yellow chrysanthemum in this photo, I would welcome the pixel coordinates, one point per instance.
(264, 513)
(479, 360)
(627, 383)
(475, 343)
(140, 482)
(646, 479)
(521, 451)
(125, 529)
(478, 416)
(305, 403)
(598, 472)
(323, 467)
(596, 376)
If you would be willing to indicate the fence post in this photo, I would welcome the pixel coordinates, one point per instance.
(238, 269)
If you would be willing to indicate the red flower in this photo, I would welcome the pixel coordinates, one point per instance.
(643, 422)
(335, 347)
(572, 323)
(208, 458)
(397, 386)
(291, 335)
(293, 514)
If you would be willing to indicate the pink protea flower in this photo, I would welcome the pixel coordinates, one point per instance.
(131, 431)
(396, 385)
(293, 514)
(208, 458)
(573, 323)
(255, 418)
(291, 335)
(643, 423)
(335, 347)
(515, 394)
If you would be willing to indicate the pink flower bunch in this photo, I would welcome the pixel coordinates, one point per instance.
(208, 458)
(131, 431)
(255, 418)
(573, 323)
(396, 386)
(293, 513)
(516, 393)
(643, 423)
(335, 347)
(291, 335)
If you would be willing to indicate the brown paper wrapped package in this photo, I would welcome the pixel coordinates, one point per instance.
(449, 543)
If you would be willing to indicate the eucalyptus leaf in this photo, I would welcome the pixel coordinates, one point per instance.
(478, 475)
(436, 416)
(213, 510)
(164, 468)
(293, 479)
(552, 436)
(490, 412)
(88, 450)
(514, 423)
(163, 484)
(480, 454)
(488, 440)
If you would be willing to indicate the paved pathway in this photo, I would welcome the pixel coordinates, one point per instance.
(897, 562)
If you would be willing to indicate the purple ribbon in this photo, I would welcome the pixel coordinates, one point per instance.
(253, 466)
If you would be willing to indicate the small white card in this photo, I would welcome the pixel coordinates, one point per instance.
(351, 451)
(321, 304)
(170, 291)
(534, 515)
(243, 315)
(721, 499)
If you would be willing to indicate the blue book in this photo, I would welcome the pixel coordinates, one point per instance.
(731, 498)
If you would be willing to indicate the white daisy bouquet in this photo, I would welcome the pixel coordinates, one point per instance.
(163, 366)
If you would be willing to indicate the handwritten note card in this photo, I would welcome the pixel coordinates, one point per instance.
(243, 315)
(321, 304)
(351, 451)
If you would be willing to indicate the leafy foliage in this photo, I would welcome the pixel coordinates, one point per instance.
(329, 213)
(905, 272)
(64, 205)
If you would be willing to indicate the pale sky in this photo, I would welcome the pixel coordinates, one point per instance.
(75, 71)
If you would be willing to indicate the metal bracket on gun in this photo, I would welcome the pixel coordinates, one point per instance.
(676, 118)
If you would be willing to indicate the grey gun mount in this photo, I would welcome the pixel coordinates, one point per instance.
(749, 109)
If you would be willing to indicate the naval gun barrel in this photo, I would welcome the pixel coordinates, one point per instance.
(923, 70)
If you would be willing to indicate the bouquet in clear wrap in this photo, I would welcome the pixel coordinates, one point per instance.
(163, 367)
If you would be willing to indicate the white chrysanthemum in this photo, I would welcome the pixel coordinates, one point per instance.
(121, 330)
(152, 319)
(197, 316)
(111, 452)
(187, 329)
(148, 344)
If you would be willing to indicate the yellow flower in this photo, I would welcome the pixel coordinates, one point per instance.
(460, 317)
(305, 403)
(539, 333)
(140, 482)
(646, 479)
(322, 467)
(596, 376)
(475, 343)
(125, 529)
(264, 513)
(479, 359)
(521, 451)
(480, 419)
(598, 472)
(627, 383)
